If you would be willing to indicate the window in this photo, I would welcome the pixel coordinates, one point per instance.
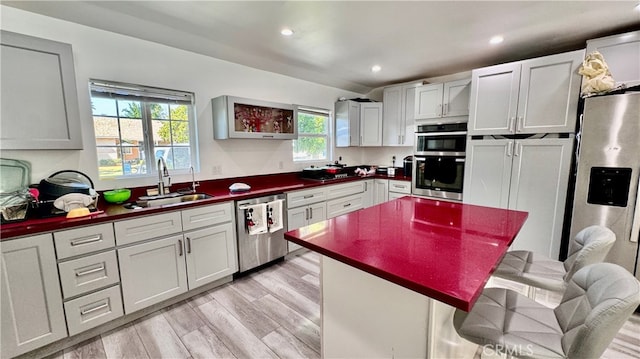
(136, 125)
(313, 135)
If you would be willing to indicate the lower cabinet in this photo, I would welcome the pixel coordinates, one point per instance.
(399, 189)
(152, 272)
(93, 309)
(210, 254)
(304, 216)
(162, 268)
(380, 191)
(31, 302)
(344, 205)
(367, 195)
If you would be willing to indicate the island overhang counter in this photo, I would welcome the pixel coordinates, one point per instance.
(392, 274)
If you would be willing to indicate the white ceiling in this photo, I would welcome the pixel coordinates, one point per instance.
(336, 42)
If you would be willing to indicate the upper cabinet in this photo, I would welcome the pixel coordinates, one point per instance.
(358, 123)
(533, 96)
(38, 94)
(442, 100)
(235, 117)
(397, 118)
(622, 54)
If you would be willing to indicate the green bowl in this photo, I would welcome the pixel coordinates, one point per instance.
(117, 195)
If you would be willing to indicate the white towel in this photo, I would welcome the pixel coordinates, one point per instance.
(274, 209)
(259, 217)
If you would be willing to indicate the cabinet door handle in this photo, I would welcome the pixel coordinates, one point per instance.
(446, 109)
(89, 271)
(399, 139)
(310, 213)
(188, 245)
(102, 306)
(86, 240)
(510, 149)
(306, 214)
(267, 136)
(512, 124)
(365, 186)
(519, 124)
(440, 110)
(518, 149)
(180, 247)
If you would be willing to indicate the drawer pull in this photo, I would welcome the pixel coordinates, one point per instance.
(308, 196)
(347, 205)
(94, 309)
(87, 240)
(89, 271)
(399, 186)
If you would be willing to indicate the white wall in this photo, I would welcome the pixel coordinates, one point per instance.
(108, 56)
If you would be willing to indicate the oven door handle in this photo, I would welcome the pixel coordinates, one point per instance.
(435, 134)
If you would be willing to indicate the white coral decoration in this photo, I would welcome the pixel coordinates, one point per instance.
(595, 74)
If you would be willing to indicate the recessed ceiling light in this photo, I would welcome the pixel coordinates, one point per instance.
(496, 40)
(286, 32)
(376, 68)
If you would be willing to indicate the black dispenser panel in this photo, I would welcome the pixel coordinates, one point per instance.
(609, 186)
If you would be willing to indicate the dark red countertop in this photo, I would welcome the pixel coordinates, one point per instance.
(444, 250)
(261, 185)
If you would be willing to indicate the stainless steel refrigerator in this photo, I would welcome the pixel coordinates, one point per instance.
(608, 165)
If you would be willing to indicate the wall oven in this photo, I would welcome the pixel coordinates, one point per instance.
(438, 161)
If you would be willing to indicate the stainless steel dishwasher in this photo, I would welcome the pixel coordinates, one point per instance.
(260, 248)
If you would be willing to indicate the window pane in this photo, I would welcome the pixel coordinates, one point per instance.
(179, 112)
(106, 130)
(161, 132)
(309, 148)
(103, 107)
(130, 109)
(312, 124)
(109, 162)
(159, 111)
(132, 132)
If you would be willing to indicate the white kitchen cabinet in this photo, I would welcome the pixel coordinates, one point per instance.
(151, 272)
(344, 189)
(304, 208)
(367, 194)
(93, 309)
(211, 254)
(358, 123)
(532, 96)
(142, 228)
(344, 205)
(442, 100)
(622, 54)
(529, 175)
(31, 302)
(380, 190)
(399, 189)
(84, 240)
(398, 115)
(39, 97)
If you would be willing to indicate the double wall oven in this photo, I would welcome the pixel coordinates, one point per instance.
(438, 161)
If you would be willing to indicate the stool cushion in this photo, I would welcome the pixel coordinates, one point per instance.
(501, 317)
(532, 269)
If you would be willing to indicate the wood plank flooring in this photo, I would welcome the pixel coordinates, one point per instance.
(274, 313)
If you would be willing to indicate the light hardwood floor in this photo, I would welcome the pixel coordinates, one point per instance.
(274, 313)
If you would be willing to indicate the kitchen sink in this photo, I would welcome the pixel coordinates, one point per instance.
(171, 198)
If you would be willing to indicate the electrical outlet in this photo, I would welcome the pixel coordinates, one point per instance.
(216, 170)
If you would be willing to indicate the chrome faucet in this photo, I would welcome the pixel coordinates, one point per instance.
(163, 171)
(194, 184)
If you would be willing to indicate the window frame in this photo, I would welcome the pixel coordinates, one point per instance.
(147, 95)
(328, 135)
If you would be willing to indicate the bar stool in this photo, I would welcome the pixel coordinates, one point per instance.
(598, 300)
(589, 246)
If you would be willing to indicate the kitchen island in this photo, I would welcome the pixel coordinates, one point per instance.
(393, 274)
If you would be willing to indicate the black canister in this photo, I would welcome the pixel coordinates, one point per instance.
(407, 165)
